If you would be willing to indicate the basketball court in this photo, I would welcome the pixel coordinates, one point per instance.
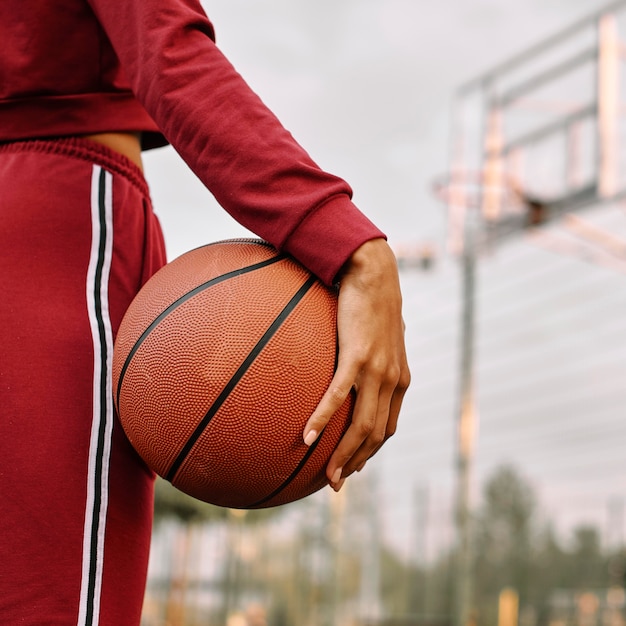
(537, 149)
(517, 344)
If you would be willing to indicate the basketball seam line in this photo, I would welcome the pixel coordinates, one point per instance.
(300, 465)
(238, 375)
(291, 476)
(174, 305)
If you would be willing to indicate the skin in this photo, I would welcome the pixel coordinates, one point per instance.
(372, 356)
(372, 360)
(127, 144)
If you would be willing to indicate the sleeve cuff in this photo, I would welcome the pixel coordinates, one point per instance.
(328, 236)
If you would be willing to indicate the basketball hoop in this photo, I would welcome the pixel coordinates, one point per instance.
(473, 190)
(480, 191)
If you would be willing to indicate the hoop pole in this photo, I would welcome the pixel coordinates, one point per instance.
(457, 198)
(465, 433)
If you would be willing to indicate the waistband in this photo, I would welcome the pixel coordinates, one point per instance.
(86, 150)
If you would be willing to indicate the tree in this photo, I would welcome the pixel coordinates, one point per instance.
(171, 503)
(505, 529)
(548, 573)
(588, 567)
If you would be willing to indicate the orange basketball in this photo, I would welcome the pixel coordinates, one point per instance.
(218, 364)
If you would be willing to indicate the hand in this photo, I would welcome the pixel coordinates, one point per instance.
(372, 360)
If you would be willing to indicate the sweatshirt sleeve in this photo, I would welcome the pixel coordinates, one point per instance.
(228, 137)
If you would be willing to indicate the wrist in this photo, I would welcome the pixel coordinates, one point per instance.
(370, 261)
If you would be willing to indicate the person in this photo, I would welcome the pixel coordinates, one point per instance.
(85, 85)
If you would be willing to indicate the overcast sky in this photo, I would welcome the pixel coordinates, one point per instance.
(365, 86)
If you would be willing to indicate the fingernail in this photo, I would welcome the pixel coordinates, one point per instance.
(311, 436)
(360, 467)
(336, 476)
(339, 485)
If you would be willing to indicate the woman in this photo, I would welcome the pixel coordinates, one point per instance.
(85, 85)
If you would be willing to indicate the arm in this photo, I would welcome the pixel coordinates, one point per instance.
(264, 179)
(228, 137)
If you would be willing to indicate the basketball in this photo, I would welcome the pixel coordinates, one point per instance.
(218, 364)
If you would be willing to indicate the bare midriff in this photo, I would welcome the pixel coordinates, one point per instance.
(127, 144)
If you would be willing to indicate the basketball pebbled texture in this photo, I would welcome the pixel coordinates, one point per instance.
(218, 364)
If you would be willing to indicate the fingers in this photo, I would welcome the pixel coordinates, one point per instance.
(375, 416)
(332, 400)
(391, 426)
(365, 434)
(374, 421)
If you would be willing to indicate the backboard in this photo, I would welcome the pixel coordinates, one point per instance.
(540, 134)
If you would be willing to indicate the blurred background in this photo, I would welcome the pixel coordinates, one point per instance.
(484, 137)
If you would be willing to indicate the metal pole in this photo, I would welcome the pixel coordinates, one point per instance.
(465, 433)
(608, 105)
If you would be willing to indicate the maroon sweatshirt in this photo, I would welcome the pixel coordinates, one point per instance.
(72, 67)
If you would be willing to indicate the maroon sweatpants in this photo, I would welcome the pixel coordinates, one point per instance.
(77, 240)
